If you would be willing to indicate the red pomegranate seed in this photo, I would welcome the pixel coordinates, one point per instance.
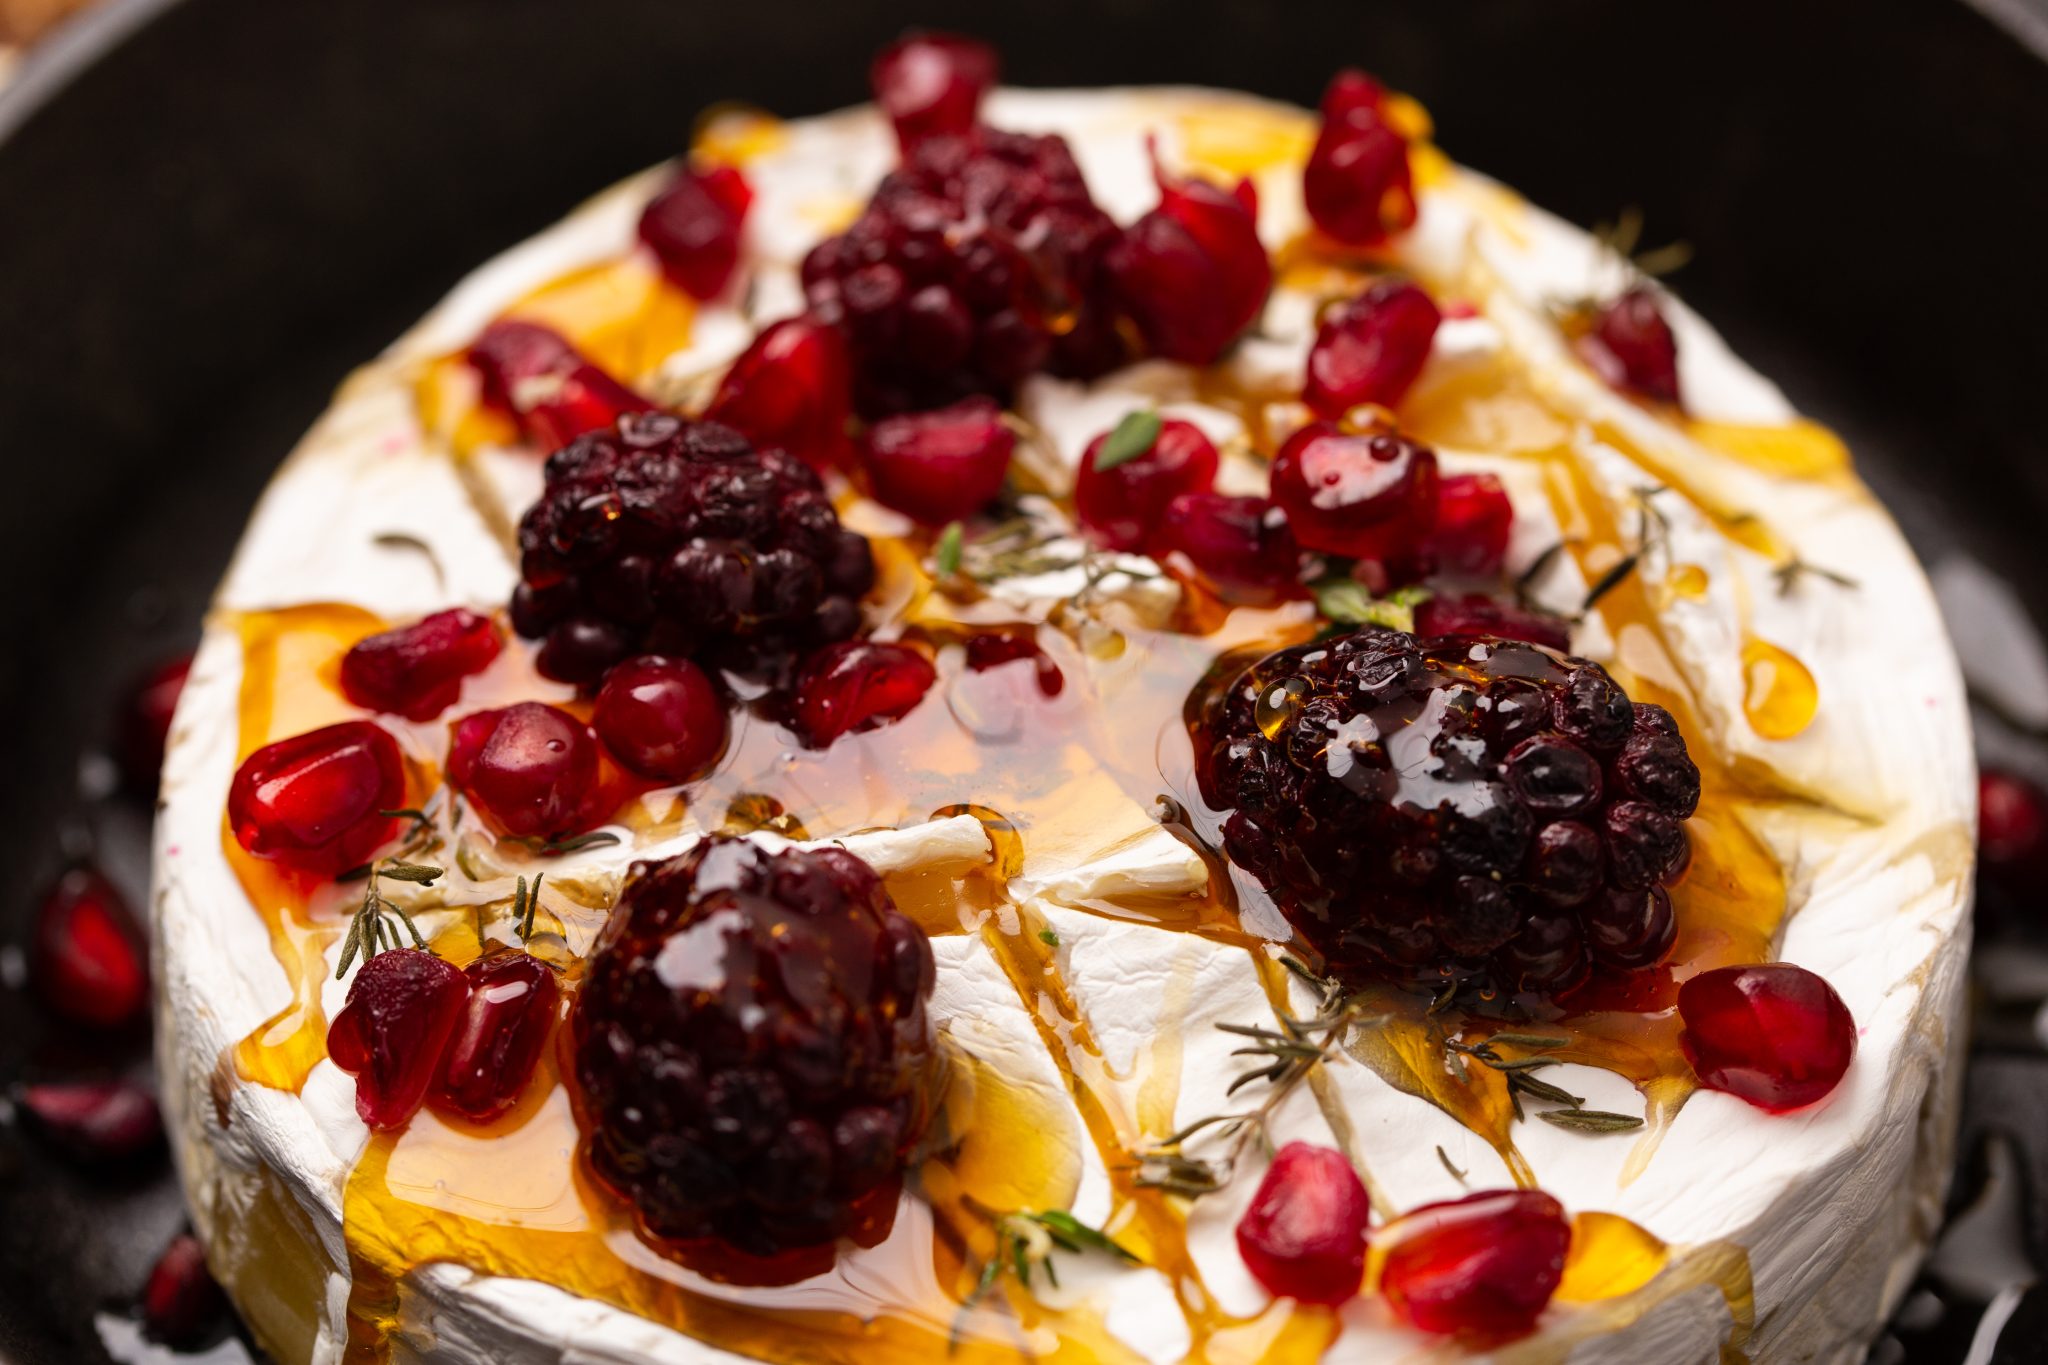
(499, 1035)
(791, 388)
(402, 1009)
(932, 83)
(1473, 521)
(996, 649)
(416, 671)
(693, 227)
(1368, 495)
(95, 1120)
(1773, 1034)
(940, 466)
(1122, 505)
(1350, 92)
(315, 802)
(857, 685)
(1473, 614)
(1631, 346)
(1304, 1235)
(1358, 185)
(181, 1304)
(145, 724)
(1483, 1266)
(1371, 349)
(87, 960)
(530, 769)
(532, 374)
(2012, 822)
(662, 718)
(1192, 272)
(1238, 544)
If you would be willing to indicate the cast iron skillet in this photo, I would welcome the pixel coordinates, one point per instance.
(216, 214)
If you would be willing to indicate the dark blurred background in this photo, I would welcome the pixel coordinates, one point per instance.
(210, 210)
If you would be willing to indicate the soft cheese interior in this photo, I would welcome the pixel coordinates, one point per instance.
(1831, 1208)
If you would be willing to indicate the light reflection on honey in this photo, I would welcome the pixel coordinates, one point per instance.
(1059, 781)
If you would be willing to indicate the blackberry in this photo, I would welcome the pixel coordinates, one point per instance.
(752, 1051)
(666, 536)
(1471, 809)
(980, 260)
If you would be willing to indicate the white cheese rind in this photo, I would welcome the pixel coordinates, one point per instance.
(1833, 1207)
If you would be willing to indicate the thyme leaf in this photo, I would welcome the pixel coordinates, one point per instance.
(1137, 433)
(1025, 1242)
(946, 554)
(1590, 1120)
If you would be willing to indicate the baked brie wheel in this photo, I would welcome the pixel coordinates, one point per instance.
(1090, 725)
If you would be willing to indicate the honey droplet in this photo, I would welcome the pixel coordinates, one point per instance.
(1278, 704)
(1687, 580)
(1609, 1257)
(1779, 696)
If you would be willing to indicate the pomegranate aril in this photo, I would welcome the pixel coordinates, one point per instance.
(857, 685)
(1474, 520)
(1371, 496)
(932, 83)
(662, 718)
(1358, 186)
(416, 671)
(1371, 349)
(995, 650)
(316, 802)
(2012, 825)
(940, 466)
(1482, 1267)
(1121, 506)
(792, 388)
(1240, 545)
(530, 769)
(86, 959)
(498, 1039)
(693, 228)
(403, 1007)
(1304, 1235)
(145, 724)
(182, 1305)
(1773, 1034)
(1192, 272)
(1632, 347)
(533, 375)
(95, 1121)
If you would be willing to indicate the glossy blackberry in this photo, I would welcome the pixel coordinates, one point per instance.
(752, 1050)
(1471, 809)
(979, 261)
(666, 536)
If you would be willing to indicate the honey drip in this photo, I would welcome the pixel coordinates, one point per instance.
(1058, 782)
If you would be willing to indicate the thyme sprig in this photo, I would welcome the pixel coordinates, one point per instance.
(1025, 1241)
(369, 931)
(1348, 602)
(1792, 571)
(1571, 1111)
(1285, 1058)
(1653, 529)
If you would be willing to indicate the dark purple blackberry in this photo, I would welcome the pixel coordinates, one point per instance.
(1470, 809)
(752, 1051)
(979, 261)
(666, 536)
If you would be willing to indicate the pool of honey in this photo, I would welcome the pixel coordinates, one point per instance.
(1059, 780)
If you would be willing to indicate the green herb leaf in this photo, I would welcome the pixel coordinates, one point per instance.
(1346, 601)
(1062, 1224)
(1048, 938)
(417, 873)
(1136, 434)
(1590, 1120)
(946, 554)
(597, 838)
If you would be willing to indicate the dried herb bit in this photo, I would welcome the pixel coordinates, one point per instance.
(1048, 938)
(576, 843)
(1025, 1241)
(1347, 602)
(369, 931)
(1543, 1090)
(1137, 433)
(946, 554)
(1590, 1120)
(1539, 568)
(1284, 1058)
(1792, 571)
(1445, 1157)
(525, 902)
(1653, 528)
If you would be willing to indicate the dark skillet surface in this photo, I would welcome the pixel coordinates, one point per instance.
(206, 229)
